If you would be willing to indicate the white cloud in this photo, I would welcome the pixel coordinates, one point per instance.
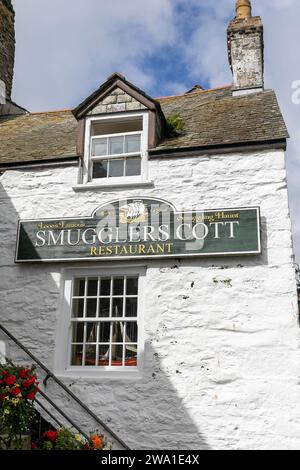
(65, 49)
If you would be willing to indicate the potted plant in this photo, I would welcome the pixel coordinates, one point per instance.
(18, 387)
(65, 439)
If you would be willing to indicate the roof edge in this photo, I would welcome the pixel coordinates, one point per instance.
(115, 80)
(224, 148)
(54, 161)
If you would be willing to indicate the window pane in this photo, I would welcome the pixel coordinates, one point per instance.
(78, 290)
(100, 169)
(133, 143)
(115, 341)
(131, 332)
(92, 287)
(78, 308)
(132, 286)
(99, 147)
(133, 166)
(91, 332)
(117, 310)
(105, 287)
(78, 330)
(118, 286)
(91, 307)
(104, 308)
(117, 126)
(131, 355)
(117, 355)
(103, 356)
(118, 332)
(104, 332)
(116, 168)
(90, 355)
(116, 145)
(77, 352)
(131, 308)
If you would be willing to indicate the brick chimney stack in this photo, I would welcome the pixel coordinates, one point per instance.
(7, 48)
(246, 50)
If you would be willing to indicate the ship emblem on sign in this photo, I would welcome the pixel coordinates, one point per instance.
(134, 212)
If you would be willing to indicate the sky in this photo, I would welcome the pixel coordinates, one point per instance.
(67, 48)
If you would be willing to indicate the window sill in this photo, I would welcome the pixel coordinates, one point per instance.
(95, 375)
(114, 185)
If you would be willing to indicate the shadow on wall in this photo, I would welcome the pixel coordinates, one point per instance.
(145, 413)
(155, 415)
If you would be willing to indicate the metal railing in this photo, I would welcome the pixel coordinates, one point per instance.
(50, 375)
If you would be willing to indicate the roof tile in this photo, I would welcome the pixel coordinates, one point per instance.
(211, 118)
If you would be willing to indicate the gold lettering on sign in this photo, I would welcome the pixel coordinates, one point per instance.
(132, 250)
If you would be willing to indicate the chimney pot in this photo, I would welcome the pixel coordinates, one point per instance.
(243, 9)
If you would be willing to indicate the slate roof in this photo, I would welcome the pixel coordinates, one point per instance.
(35, 137)
(215, 117)
(212, 118)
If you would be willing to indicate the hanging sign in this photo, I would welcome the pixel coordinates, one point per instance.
(140, 228)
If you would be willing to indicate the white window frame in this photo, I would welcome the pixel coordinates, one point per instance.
(113, 181)
(62, 357)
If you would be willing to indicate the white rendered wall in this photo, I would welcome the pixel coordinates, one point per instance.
(222, 336)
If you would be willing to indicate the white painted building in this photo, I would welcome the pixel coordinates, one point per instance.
(170, 348)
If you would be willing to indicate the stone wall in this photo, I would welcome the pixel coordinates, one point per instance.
(221, 335)
(117, 101)
(7, 45)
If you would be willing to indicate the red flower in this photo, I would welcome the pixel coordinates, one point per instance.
(2, 397)
(4, 372)
(10, 380)
(23, 374)
(30, 396)
(34, 446)
(87, 446)
(96, 441)
(15, 391)
(50, 436)
(27, 383)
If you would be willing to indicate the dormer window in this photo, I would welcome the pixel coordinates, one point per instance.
(116, 148)
(117, 125)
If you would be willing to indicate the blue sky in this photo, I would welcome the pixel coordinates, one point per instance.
(67, 48)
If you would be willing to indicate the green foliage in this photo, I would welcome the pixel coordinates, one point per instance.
(66, 440)
(47, 445)
(175, 125)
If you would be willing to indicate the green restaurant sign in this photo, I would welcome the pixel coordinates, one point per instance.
(140, 228)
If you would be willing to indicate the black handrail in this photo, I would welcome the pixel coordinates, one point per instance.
(54, 405)
(40, 404)
(64, 387)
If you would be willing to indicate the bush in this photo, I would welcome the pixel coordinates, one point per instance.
(18, 387)
(65, 439)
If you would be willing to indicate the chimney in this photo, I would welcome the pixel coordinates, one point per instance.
(246, 50)
(7, 49)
